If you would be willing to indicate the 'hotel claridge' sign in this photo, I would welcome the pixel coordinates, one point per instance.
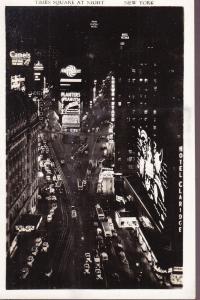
(70, 71)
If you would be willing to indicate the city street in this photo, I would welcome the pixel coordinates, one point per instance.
(94, 147)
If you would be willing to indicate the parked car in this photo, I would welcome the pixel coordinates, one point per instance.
(97, 261)
(98, 275)
(88, 257)
(86, 268)
(123, 258)
(34, 250)
(30, 259)
(104, 256)
(38, 241)
(51, 212)
(49, 218)
(24, 273)
(45, 246)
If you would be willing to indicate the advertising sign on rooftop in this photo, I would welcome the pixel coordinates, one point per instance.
(20, 59)
(38, 66)
(70, 71)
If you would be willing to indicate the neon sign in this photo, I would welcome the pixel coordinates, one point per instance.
(20, 59)
(153, 172)
(70, 71)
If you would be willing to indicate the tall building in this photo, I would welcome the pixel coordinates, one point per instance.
(21, 160)
(149, 142)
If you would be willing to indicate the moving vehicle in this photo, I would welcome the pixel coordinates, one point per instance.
(104, 256)
(49, 218)
(106, 229)
(62, 162)
(88, 257)
(98, 274)
(74, 214)
(86, 268)
(79, 184)
(97, 261)
(45, 246)
(100, 213)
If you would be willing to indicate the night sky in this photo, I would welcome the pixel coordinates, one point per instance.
(68, 29)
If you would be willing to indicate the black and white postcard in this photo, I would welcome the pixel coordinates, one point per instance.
(98, 191)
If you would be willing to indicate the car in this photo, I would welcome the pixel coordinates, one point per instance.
(99, 231)
(49, 172)
(98, 274)
(51, 212)
(38, 241)
(114, 233)
(97, 261)
(30, 259)
(34, 250)
(49, 218)
(24, 273)
(88, 257)
(45, 246)
(86, 269)
(104, 256)
(110, 223)
(62, 161)
(48, 177)
(54, 206)
(73, 212)
(122, 257)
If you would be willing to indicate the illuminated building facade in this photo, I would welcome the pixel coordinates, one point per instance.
(149, 143)
(21, 160)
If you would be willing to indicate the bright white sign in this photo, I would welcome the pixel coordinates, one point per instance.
(70, 71)
(20, 59)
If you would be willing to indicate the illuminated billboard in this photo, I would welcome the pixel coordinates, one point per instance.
(71, 121)
(17, 83)
(38, 69)
(70, 103)
(20, 59)
(153, 172)
(70, 71)
(38, 66)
